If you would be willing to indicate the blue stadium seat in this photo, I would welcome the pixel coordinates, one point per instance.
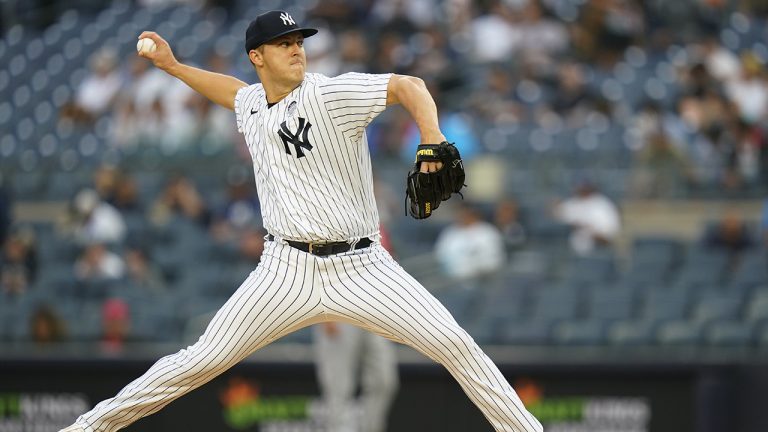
(580, 333)
(556, 304)
(762, 338)
(752, 271)
(660, 306)
(524, 333)
(632, 333)
(756, 310)
(653, 260)
(680, 333)
(611, 305)
(730, 333)
(717, 307)
(702, 268)
(595, 269)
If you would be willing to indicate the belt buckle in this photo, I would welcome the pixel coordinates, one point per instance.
(311, 248)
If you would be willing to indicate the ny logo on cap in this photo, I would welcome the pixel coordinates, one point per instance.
(287, 19)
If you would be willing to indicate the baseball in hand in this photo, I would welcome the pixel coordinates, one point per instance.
(146, 45)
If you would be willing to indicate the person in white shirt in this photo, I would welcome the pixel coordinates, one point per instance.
(97, 221)
(470, 247)
(593, 216)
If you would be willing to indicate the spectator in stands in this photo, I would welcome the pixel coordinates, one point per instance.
(494, 101)
(105, 180)
(96, 94)
(749, 92)
(141, 272)
(698, 81)
(572, 99)
(507, 219)
(721, 63)
(126, 197)
(730, 234)
(93, 220)
(46, 326)
(116, 322)
(660, 170)
(593, 217)
(470, 247)
(605, 28)
(18, 262)
(97, 263)
(541, 38)
(494, 35)
(180, 198)
(743, 144)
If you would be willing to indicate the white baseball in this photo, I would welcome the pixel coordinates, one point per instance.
(146, 45)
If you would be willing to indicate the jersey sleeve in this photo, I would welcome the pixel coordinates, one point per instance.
(354, 99)
(240, 104)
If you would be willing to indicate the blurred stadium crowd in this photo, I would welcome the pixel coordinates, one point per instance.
(155, 220)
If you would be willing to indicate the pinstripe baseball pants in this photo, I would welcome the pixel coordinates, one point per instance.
(291, 289)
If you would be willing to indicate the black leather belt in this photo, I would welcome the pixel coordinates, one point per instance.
(325, 249)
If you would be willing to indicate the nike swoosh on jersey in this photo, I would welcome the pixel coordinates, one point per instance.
(254, 111)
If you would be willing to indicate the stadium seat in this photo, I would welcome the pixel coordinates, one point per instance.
(611, 305)
(660, 306)
(729, 333)
(702, 268)
(579, 333)
(595, 269)
(556, 304)
(762, 338)
(524, 333)
(687, 333)
(632, 333)
(717, 307)
(756, 310)
(752, 271)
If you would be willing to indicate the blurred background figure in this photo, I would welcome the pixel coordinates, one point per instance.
(46, 327)
(97, 263)
(508, 220)
(96, 94)
(141, 271)
(594, 219)
(348, 356)
(94, 220)
(180, 199)
(116, 325)
(19, 261)
(470, 247)
(730, 234)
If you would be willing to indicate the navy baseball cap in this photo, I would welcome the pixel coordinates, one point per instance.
(270, 25)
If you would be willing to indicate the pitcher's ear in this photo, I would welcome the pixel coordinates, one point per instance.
(256, 57)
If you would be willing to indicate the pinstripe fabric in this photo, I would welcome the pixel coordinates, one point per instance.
(291, 289)
(313, 174)
(327, 194)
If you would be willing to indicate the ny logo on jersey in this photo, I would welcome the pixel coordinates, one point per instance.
(289, 137)
(287, 19)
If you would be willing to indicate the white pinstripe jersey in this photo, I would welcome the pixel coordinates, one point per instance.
(310, 155)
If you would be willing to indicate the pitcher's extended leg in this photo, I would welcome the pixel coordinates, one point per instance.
(276, 297)
(374, 290)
